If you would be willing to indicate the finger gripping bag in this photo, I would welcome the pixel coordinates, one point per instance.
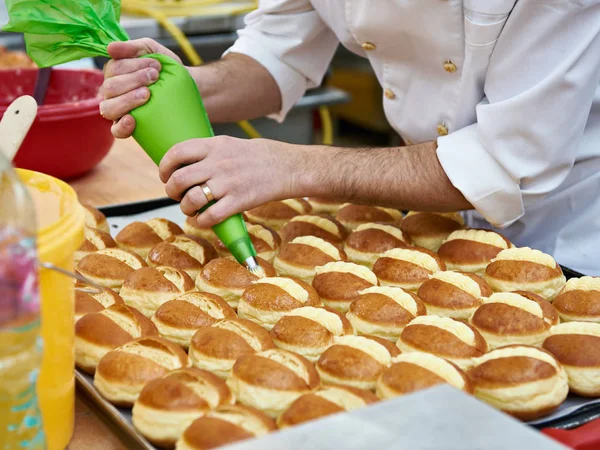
(60, 31)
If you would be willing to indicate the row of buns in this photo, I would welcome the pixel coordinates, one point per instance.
(291, 347)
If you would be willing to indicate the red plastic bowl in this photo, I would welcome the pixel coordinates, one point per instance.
(68, 137)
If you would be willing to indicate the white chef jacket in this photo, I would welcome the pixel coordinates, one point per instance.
(509, 88)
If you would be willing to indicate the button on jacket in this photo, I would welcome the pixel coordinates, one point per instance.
(508, 88)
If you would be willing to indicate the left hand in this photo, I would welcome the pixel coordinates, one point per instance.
(240, 173)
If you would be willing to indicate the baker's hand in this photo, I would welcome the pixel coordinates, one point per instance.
(240, 173)
(126, 78)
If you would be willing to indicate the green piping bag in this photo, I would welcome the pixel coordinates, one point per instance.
(60, 31)
(175, 113)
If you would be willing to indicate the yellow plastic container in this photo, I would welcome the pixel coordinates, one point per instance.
(60, 232)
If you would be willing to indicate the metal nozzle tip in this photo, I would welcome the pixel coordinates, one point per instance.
(252, 265)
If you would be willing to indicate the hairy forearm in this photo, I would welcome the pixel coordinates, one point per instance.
(402, 177)
(236, 88)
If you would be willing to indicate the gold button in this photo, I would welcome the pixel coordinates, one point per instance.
(368, 46)
(442, 130)
(390, 94)
(449, 67)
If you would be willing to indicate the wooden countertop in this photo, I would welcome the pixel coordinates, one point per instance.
(127, 174)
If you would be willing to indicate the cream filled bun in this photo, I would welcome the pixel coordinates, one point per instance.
(228, 279)
(472, 250)
(339, 283)
(109, 267)
(268, 299)
(324, 402)
(407, 268)
(430, 230)
(447, 338)
(525, 382)
(351, 216)
(507, 318)
(140, 237)
(579, 301)
(266, 242)
(299, 257)
(218, 347)
(318, 225)
(272, 380)
(148, 288)
(411, 372)
(384, 311)
(309, 331)
(370, 240)
(225, 425)
(524, 269)
(356, 361)
(577, 346)
(276, 214)
(453, 294)
(95, 219)
(187, 253)
(168, 405)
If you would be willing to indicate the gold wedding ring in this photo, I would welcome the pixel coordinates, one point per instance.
(209, 195)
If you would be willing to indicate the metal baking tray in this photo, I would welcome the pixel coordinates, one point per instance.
(576, 410)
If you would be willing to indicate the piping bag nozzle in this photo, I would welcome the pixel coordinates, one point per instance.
(175, 113)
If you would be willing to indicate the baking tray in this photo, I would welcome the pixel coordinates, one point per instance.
(575, 412)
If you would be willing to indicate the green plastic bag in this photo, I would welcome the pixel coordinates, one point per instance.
(60, 31)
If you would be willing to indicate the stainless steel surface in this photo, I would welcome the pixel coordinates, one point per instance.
(252, 265)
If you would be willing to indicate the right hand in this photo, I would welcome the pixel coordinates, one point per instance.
(126, 77)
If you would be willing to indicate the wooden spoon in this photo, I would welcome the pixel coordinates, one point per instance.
(15, 125)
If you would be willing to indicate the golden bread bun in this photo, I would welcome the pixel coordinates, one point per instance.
(299, 257)
(407, 268)
(370, 240)
(324, 206)
(339, 283)
(525, 382)
(94, 240)
(266, 242)
(356, 361)
(318, 225)
(324, 402)
(178, 320)
(123, 372)
(228, 279)
(99, 332)
(447, 338)
(168, 405)
(187, 253)
(226, 425)
(414, 371)
(216, 348)
(309, 331)
(472, 250)
(276, 214)
(95, 219)
(140, 237)
(191, 228)
(89, 300)
(524, 269)
(268, 299)
(579, 301)
(430, 230)
(507, 318)
(271, 380)
(577, 346)
(384, 311)
(109, 267)
(351, 216)
(453, 294)
(148, 288)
